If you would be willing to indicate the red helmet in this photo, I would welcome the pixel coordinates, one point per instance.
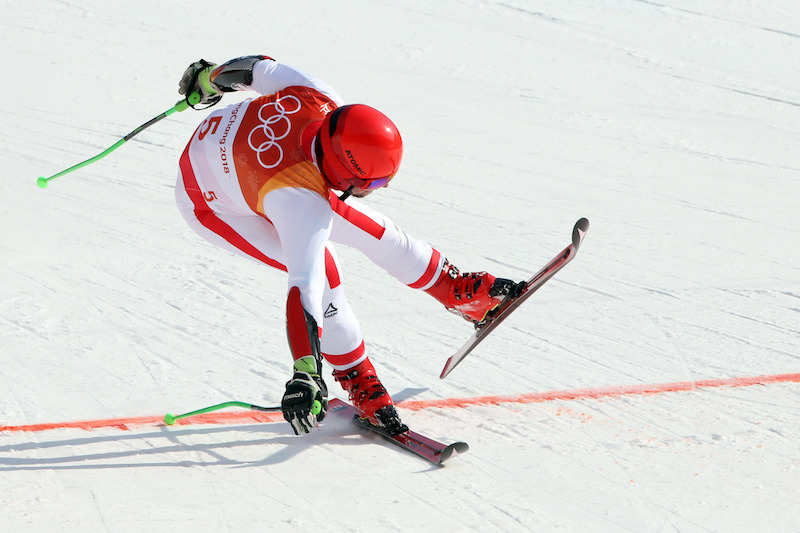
(360, 148)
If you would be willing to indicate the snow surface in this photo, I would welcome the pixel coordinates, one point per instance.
(671, 125)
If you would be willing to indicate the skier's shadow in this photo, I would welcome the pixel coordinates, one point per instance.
(172, 447)
(178, 447)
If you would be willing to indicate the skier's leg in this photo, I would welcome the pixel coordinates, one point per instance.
(342, 341)
(415, 262)
(344, 349)
(410, 260)
(256, 238)
(250, 236)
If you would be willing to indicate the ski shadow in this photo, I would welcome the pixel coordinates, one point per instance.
(407, 394)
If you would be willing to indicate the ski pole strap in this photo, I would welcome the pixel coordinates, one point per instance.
(193, 98)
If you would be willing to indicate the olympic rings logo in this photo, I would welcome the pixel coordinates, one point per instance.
(263, 139)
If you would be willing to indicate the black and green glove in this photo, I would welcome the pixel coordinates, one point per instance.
(196, 79)
(305, 401)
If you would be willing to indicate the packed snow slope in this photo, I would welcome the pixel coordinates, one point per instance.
(671, 125)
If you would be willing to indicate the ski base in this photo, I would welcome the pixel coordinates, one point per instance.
(429, 449)
(510, 304)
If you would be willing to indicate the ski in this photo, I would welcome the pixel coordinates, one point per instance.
(425, 447)
(420, 445)
(482, 329)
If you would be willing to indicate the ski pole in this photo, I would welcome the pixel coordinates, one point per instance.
(181, 105)
(170, 419)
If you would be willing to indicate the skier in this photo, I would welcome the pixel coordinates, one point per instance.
(267, 178)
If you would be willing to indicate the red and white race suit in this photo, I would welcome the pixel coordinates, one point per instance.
(247, 185)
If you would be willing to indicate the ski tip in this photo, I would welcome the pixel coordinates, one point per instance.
(579, 231)
(452, 450)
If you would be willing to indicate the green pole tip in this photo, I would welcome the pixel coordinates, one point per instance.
(169, 419)
(194, 98)
(42, 182)
(316, 408)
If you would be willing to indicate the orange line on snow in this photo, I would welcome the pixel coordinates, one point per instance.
(537, 397)
(608, 392)
(126, 423)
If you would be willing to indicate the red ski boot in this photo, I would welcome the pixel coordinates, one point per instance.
(369, 397)
(473, 294)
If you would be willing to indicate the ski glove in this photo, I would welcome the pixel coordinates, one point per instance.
(196, 79)
(305, 401)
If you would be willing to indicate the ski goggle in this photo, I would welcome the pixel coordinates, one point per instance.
(371, 185)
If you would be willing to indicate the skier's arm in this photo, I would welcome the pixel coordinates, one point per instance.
(271, 76)
(236, 74)
(248, 73)
(305, 400)
(265, 76)
(303, 220)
